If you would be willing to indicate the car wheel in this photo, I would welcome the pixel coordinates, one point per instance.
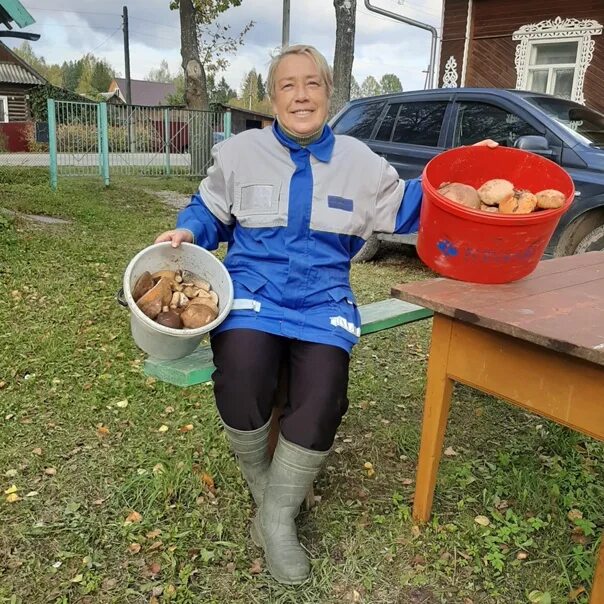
(369, 250)
(592, 242)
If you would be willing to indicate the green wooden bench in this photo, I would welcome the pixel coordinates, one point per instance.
(197, 368)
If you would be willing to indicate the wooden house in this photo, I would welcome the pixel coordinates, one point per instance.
(553, 46)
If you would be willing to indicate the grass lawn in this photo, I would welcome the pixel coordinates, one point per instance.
(118, 488)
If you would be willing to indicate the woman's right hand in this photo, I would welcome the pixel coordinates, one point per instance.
(175, 236)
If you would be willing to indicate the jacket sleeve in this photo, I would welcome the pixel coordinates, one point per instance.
(398, 203)
(208, 215)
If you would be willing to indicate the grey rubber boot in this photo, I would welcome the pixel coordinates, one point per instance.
(291, 474)
(251, 449)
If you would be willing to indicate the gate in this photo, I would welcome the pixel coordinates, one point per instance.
(97, 139)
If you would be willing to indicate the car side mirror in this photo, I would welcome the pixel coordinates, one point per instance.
(532, 142)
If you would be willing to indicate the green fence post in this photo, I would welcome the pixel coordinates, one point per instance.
(104, 143)
(227, 123)
(167, 139)
(99, 139)
(52, 142)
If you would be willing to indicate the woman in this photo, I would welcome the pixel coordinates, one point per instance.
(295, 203)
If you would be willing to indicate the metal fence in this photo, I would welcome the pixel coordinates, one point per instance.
(97, 139)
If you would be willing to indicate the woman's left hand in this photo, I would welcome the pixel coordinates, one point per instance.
(487, 142)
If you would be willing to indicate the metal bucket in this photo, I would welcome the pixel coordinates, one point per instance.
(164, 342)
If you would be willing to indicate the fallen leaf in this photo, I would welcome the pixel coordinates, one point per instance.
(50, 471)
(416, 531)
(155, 545)
(10, 490)
(78, 578)
(153, 534)
(521, 556)
(153, 600)
(98, 502)
(11, 473)
(37, 451)
(256, 567)
(122, 404)
(482, 520)
(158, 468)
(163, 428)
(573, 594)
(407, 481)
(186, 428)
(451, 452)
(32, 494)
(169, 409)
(134, 548)
(230, 567)
(154, 568)
(575, 514)
(13, 498)
(353, 596)
(133, 518)
(207, 480)
(102, 431)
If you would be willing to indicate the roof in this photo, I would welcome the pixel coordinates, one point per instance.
(146, 93)
(16, 74)
(247, 111)
(15, 70)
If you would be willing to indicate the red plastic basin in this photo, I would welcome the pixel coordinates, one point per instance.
(482, 247)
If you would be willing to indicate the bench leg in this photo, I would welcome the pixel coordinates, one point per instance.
(273, 435)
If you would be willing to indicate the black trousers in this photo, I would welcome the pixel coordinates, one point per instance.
(248, 364)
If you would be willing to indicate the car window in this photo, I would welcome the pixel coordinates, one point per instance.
(385, 131)
(359, 120)
(477, 121)
(419, 123)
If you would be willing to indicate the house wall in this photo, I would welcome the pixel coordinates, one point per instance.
(17, 104)
(492, 50)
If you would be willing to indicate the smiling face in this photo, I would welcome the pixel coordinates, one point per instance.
(299, 98)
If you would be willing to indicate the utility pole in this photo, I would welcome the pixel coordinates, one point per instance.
(285, 30)
(127, 55)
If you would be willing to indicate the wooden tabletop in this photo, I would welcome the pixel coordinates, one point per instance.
(560, 305)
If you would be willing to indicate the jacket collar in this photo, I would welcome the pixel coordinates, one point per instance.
(321, 148)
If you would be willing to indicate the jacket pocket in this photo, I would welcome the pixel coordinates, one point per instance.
(258, 204)
(246, 294)
(344, 318)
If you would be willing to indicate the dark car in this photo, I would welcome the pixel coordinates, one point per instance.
(410, 128)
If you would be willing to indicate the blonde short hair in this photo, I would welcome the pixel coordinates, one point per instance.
(301, 49)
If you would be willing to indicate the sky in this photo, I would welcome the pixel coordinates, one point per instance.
(72, 28)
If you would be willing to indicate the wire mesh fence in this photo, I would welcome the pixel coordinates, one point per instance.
(88, 139)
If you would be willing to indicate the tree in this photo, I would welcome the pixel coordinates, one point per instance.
(72, 72)
(161, 74)
(390, 83)
(102, 74)
(223, 93)
(370, 87)
(249, 89)
(203, 44)
(355, 89)
(344, 52)
(261, 88)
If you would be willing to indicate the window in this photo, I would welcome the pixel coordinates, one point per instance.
(477, 121)
(385, 131)
(359, 120)
(419, 123)
(551, 68)
(553, 56)
(3, 109)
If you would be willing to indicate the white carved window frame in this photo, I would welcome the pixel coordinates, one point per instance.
(558, 30)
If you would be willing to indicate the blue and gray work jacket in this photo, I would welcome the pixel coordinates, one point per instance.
(293, 218)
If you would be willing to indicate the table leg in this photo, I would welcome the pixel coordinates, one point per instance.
(439, 388)
(597, 589)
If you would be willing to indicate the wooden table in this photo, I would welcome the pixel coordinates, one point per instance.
(537, 343)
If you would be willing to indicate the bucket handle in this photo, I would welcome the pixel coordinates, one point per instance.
(119, 296)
